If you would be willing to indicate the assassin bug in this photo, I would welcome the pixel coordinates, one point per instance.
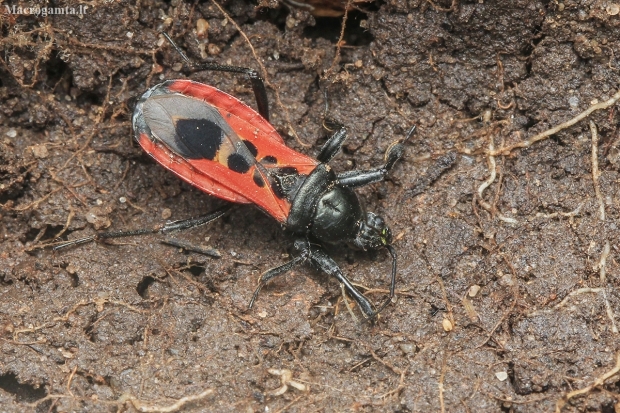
(218, 144)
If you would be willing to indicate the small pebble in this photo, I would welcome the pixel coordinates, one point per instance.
(573, 101)
(291, 22)
(213, 49)
(501, 375)
(612, 9)
(408, 348)
(202, 28)
(40, 151)
(91, 218)
(473, 291)
(506, 280)
(166, 213)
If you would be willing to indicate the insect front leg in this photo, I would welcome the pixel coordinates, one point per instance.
(319, 258)
(274, 272)
(162, 229)
(353, 179)
(323, 262)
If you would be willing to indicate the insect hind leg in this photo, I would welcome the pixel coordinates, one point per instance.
(258, 84)
(166, 228)
(333, 144)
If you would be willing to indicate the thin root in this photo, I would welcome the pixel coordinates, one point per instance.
(602, 274)
(437, 8)
(286, 378)
(341, 38)
(596, 173)
(565, 300)
(570, 214)
(174, 407)
(544, 135)
(493, 169)
(603, 262)
(598, 382)
(346, 303)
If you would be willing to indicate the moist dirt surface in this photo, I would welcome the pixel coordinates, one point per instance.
(508, 277)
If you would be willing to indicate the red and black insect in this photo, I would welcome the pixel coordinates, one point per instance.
(218, 144)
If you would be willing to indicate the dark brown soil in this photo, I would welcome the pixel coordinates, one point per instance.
(112, 327)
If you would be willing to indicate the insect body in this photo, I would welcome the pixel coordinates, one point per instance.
(220, 145)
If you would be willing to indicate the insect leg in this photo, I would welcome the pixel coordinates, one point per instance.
(274, 272)
(162, 229)
(333, 145)
(325, 263)
(354, 179)
(258, 85)
(191, 247)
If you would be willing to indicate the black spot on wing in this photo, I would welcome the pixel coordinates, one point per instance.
(202, 137)
(258, 179)
(277, 189)
(237, 163)
(251, 147)
(288, 170)
(269, 160)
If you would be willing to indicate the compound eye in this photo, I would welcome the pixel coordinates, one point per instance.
(379, 222)
(375, 221)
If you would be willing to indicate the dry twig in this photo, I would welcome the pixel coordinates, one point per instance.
(441, 379)
(346, 303)
(396, 370)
